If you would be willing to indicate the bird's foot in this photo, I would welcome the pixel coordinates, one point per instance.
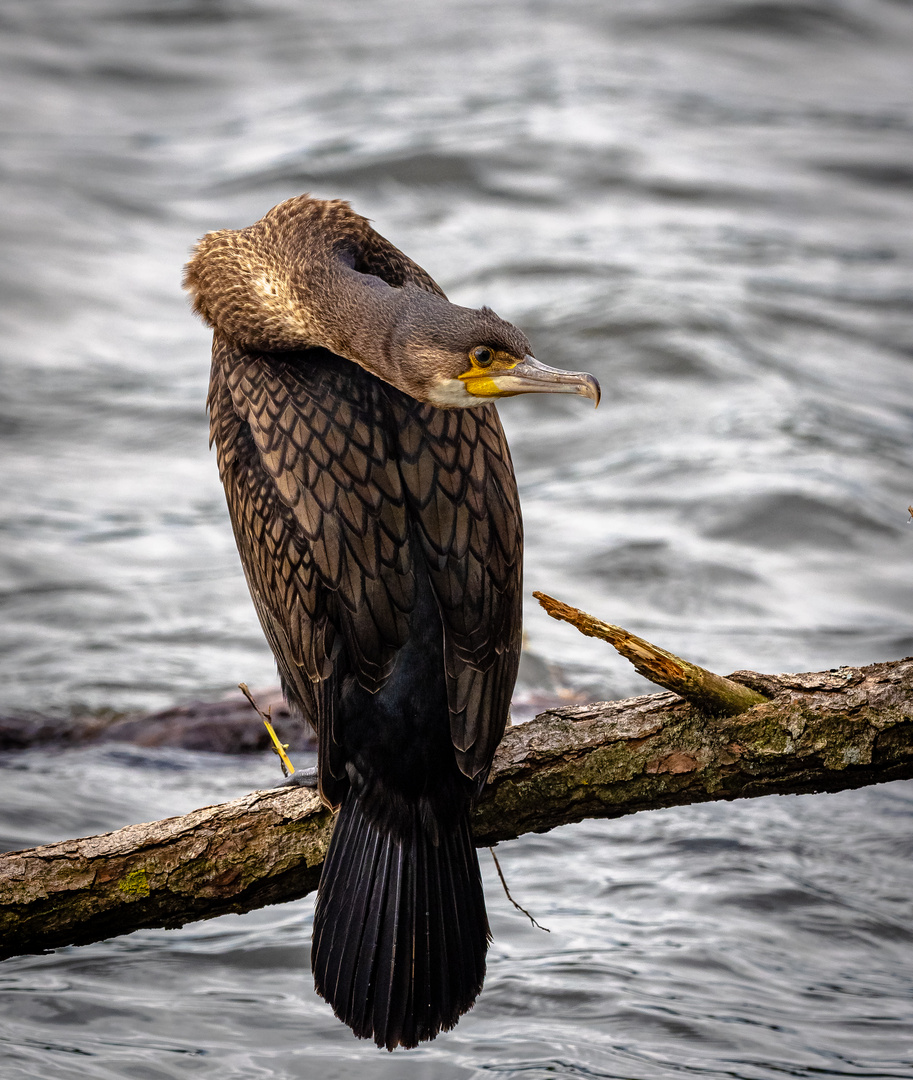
(301, 778)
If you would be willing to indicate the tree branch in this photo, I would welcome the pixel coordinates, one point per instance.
(817, 732)
(709, 691)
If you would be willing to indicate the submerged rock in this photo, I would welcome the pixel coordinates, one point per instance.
(227, 726)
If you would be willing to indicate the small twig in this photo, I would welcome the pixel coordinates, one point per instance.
(278, 747)
(910, 508)
(510, 898)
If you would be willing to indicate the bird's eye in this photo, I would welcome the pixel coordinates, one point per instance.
(482, 356)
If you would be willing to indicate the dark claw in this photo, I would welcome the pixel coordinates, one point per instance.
(301, 778)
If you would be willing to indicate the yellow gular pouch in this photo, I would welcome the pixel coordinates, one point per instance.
(485, 365)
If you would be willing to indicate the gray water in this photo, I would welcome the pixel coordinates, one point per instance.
(708, 205)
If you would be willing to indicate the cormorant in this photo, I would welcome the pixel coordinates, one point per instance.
(374, 506)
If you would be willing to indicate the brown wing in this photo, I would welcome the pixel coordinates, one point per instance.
(459, 481)
(319, 516)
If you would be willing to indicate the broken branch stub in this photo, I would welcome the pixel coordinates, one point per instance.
(708, 691)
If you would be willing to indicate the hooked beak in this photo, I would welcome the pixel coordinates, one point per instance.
(531, 377)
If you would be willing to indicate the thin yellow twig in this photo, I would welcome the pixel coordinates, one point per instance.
(278, 747)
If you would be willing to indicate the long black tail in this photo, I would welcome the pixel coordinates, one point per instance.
(400, 930)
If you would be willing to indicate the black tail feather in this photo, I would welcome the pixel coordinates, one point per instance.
(400, 930)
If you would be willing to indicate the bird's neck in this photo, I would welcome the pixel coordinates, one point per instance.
(362, 321)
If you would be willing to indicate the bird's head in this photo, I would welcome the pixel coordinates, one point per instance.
(457, 357)
(314, 273)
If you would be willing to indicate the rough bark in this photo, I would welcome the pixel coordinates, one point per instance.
(822, 731)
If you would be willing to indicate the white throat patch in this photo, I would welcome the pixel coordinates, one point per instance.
(452, 394)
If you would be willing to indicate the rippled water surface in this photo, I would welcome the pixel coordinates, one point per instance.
(707, 204)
